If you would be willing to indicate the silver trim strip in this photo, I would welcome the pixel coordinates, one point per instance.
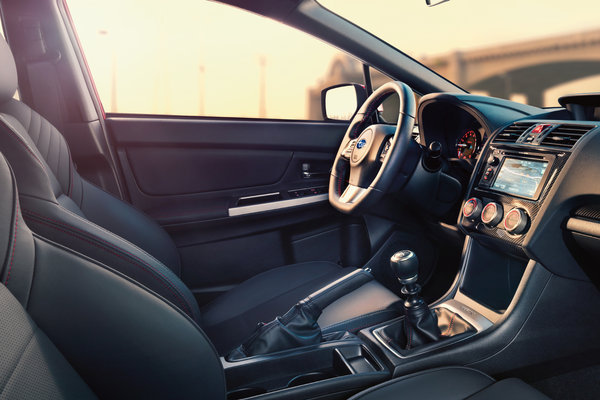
(478, 321)
(276, 205)
(259, 195)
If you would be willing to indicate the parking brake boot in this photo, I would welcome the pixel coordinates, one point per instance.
(298, 327)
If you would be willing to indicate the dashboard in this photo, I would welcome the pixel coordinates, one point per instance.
(530, 176)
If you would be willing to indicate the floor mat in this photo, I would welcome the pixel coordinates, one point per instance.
(575, 385)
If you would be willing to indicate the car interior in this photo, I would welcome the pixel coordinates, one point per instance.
(417, 241)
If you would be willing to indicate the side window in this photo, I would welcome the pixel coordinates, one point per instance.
(199, 58)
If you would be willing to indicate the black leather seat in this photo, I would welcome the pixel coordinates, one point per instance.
(57, 203)
(123, 340)
(450, 383)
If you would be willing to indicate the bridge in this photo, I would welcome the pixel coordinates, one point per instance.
(527, 68)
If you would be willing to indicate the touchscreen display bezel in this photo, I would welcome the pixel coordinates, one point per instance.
(542, 183)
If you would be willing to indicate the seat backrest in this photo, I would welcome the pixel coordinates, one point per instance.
(123, 340)
(58, 203)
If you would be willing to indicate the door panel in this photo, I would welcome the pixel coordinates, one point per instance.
(234, 194)
(177, 171)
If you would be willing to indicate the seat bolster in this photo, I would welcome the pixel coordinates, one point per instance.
(30, 365)
(16, 242)
(50, 220)
(128, 222)
(124, 340)
(446, 383)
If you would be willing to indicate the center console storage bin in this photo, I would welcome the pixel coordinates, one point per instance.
(335, 370)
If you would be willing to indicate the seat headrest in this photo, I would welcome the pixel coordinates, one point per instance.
(8, 72)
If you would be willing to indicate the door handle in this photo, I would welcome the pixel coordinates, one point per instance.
(308, 174)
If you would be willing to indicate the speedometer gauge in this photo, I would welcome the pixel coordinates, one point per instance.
(467, 145)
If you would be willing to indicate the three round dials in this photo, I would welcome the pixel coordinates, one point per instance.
(467, 145)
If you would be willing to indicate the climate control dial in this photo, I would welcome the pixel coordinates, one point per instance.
(516, 221)
(492, 214)
(472, 208)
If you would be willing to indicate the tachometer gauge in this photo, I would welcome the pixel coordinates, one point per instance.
(467, 145)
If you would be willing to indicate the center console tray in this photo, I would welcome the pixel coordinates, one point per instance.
(329, 371)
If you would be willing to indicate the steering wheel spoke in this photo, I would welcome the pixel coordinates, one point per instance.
(352, 193)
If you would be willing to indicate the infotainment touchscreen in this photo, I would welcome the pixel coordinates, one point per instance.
(520, 177)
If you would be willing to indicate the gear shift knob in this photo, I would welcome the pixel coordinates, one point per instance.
(405, 266)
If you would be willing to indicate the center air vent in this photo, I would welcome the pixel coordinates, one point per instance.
(565, 135)
(513, 132)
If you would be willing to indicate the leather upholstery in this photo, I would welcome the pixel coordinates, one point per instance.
(112, 330)
(58, 204)
(450, 383)
(30, 365)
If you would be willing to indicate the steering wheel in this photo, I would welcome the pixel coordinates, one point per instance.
(370, 156)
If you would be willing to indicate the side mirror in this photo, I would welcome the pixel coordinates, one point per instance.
(340, 102)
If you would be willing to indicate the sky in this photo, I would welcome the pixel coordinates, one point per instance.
(418, 30)
(165, 57)
(199, 57)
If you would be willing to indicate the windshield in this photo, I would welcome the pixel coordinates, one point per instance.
(527, 51)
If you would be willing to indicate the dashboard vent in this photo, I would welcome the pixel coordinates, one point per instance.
(512, 133)
(566, 135)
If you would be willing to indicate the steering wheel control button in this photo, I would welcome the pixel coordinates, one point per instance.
(516, 221)
(385, 150)
(492, 214)
(361, 149)
(348, 150)
(472, 208)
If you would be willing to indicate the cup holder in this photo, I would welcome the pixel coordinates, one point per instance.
(309, 378)
(245, 392)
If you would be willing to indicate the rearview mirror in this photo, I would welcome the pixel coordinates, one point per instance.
(340, 102)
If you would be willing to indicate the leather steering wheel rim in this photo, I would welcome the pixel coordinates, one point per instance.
(360, 175)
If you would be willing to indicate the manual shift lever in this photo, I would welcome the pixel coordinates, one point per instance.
(405, 266)
(420, 324)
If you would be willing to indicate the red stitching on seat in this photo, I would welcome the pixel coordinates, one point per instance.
(180, 299)
(12, 255)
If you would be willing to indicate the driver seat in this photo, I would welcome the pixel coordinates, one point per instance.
(58, 203)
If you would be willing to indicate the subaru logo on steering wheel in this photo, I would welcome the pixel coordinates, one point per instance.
(361, 143)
